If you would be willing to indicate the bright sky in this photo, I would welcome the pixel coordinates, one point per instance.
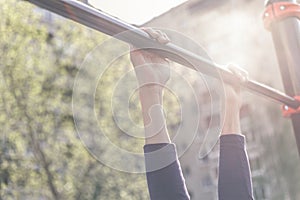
(135, 11)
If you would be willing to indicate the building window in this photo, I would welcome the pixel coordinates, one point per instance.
(190, 193)
(249, 135)
(206, 181)
(187, 171)
(255, 164)
(259, 192)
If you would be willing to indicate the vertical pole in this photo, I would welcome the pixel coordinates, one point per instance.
(286, 38)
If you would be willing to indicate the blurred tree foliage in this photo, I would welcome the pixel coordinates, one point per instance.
(41, 156)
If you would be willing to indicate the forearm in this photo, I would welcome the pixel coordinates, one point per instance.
(153, 116)
(164, 176)
(234, 171)
(230, 119)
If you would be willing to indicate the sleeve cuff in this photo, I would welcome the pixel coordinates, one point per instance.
(233, 140)
(158, 156)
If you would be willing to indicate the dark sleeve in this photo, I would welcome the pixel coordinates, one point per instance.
(164, 175)
(234, 171)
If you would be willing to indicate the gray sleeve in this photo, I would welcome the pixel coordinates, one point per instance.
(164, 175)
(234, 170)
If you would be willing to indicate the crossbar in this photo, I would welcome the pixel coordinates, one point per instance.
(100, 21)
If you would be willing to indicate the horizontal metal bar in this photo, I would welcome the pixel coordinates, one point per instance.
(109, 25)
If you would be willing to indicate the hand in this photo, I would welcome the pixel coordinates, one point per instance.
(151, 70)
(230, 118)
(232, 92)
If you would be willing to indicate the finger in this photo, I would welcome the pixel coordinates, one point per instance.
(163, 38)
(166, 37)
(239, 72)
(158, 35)
(151, 32)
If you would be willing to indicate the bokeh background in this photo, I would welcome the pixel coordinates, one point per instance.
(41, 153)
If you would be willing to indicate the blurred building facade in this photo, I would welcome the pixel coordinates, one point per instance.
(231, 32)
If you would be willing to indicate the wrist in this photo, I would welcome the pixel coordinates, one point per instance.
(231, 129)
(232, 105)
(231, 122)
(150, 96)
(151, 90)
